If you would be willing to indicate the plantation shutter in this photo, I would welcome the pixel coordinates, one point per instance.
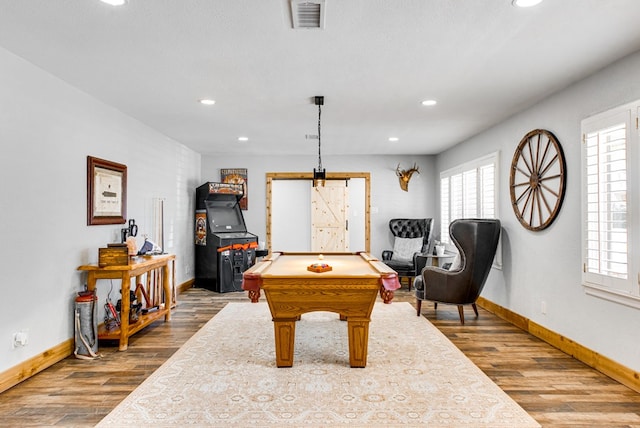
(468, 191)
(487, 191)
(605, 156)
(445, 217)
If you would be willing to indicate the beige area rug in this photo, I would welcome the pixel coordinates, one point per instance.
(225, 375)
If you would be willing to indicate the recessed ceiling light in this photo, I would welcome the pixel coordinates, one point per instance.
(207, 101)
(114, 2)
(394, 138)
(243, 138)
(525, 3)
(429, 102)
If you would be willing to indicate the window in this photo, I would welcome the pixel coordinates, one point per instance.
(610, 243)
(469, 191)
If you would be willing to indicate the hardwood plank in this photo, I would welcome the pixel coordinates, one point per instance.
(556, 389)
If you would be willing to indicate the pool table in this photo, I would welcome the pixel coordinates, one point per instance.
(349, 289)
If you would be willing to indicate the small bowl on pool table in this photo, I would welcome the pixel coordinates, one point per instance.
(319, 267)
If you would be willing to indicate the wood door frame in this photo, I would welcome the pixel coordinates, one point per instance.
(330, 176)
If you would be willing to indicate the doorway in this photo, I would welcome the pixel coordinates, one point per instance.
(289, 211)
(330, 217)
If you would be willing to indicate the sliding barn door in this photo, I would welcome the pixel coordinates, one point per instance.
(329, 214)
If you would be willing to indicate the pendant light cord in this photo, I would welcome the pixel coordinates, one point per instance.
(319, 139)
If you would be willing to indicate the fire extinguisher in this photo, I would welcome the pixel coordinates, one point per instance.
(86, 322)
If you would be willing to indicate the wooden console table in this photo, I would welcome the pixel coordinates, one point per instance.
(137, 267)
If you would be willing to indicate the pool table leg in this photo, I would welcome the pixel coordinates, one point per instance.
(386, 295)
(358, 341)
(254, 295)
(285, 332)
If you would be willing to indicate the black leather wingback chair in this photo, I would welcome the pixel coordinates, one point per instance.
(408, 228)
(476, 240)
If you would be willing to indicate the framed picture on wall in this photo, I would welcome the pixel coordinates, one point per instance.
(237, 176)
(106, 192)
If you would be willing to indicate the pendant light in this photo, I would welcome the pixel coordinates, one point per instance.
(319, 175)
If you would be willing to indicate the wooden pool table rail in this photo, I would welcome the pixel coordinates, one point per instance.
(252, 280)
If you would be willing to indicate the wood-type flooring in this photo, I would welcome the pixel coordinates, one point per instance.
(555, 389)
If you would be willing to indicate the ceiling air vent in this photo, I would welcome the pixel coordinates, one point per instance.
(308, 13)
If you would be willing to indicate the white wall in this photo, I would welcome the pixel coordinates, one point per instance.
(387, 199)
(546, 266)
(47, 129)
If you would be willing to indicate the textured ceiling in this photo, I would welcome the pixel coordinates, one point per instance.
(374, 62)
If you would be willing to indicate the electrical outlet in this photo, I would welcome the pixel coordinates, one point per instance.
(543, 307)
(20, 339)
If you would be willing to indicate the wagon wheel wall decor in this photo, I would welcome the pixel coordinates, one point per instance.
(537, 180)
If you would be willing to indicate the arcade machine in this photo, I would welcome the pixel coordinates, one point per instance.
(224, 248)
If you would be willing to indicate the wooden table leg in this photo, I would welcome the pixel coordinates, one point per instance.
(358, 341)
(91, 281)
(254, 295)
(174, 291)
(125, 306)
(285, 332)
(167, 292)
(386, 295)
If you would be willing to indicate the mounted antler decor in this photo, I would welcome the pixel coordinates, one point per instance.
(405, 175)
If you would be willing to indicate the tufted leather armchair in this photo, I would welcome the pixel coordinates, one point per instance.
(476, 240)
(408, 228)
